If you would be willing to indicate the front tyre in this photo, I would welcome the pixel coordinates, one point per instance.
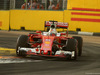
(21, 42)
(71, 46)
(80, 44)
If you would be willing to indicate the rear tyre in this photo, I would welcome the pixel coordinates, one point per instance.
(71, 46)
(22, 42)
(80, 43)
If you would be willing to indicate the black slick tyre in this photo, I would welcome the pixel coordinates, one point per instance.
(80, 44)
(22, 42)
(71, 46)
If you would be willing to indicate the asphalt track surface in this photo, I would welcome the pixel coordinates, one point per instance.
(87, 64)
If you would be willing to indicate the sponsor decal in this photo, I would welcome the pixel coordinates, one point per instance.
(87, 14)
(47, 42)
(85, 19)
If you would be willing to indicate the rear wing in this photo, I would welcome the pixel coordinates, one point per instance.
(58, 24)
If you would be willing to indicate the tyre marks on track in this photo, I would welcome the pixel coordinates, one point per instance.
(8, 55)
(14, 59)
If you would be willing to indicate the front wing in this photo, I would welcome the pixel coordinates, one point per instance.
(37, 52)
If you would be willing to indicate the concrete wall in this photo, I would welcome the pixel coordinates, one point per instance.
(33, 20)
(81, 14)
(4, 20)
(87, 21)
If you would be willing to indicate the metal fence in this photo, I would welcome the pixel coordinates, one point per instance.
(41, 4)
(4, 4)
(33, 4)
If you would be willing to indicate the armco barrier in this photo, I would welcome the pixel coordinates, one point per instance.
(4, 20)
(33, 19)
(85, 21)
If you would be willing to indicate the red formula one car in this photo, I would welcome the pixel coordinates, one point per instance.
(51, 43)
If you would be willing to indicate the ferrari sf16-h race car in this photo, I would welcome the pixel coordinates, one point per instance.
(51, 43)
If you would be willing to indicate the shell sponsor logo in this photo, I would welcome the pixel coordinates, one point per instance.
(47, 42)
